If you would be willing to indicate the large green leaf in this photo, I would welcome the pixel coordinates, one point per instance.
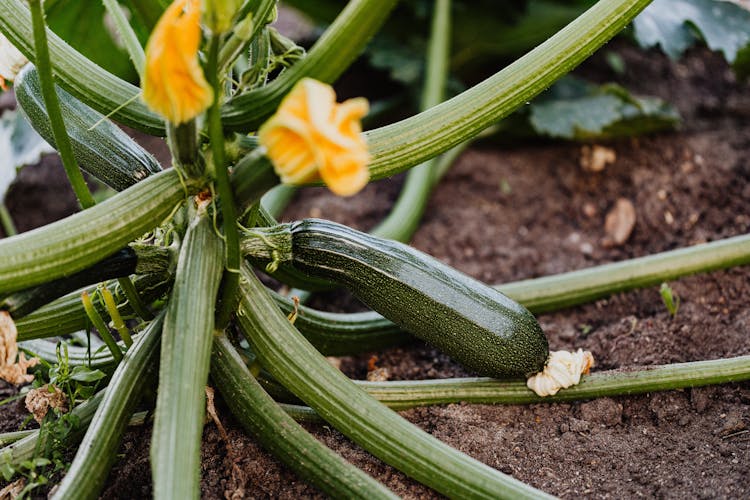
(675, 25)
(81, 23)
(575, 110)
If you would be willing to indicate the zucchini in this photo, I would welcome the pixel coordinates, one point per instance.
(100, 147)
(476, 325)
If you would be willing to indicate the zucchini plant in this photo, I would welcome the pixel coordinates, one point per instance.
(182, 244)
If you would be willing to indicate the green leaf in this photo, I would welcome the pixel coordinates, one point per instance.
(19, 145)
(675, 25)
(85, 374)
(7, 471)
(576, 110)
(82, 25)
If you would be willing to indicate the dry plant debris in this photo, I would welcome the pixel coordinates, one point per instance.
(12, 370)
(40, 400)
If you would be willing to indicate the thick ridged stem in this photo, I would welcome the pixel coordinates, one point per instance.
(403, 220)
(98, 451)
(66, 315)
(44, 66)
(288, 441)
(78, 241)
(297, 365)
(578, 287)
(127, 35)
(330, 56)
(90, 83)
(404, 394)
(409, 142)
(185, 356)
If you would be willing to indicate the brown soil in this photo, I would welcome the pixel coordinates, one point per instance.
(687, 187)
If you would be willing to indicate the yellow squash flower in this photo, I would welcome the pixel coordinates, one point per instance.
(173, 82)
(312, 137)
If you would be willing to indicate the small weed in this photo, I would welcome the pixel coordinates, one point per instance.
(585, 329)
(671, 300)
(505, 187)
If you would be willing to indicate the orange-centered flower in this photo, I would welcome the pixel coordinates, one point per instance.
(312, 137)
(173, 82)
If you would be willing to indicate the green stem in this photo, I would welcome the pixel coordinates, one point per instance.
(135, 299)
(401, 395)
(185, 357)
(98, 450)
(278, 433)
(403, 220)
(78, 241)
(297, 365)
(90, 83)
(551, 293)
(77, 356)
(101, 327)
(51, 102)
(409, 142)
(66, 315)
(127, 35)
(124, 262)
(7, 221)
(7, 438)
(183, 144)
(337, 334)
(228, 302)
(330, 56)
(277, 199)
(114, 313)
(245, 31)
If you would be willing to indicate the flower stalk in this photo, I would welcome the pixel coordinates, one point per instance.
(228, 302)
(51, 102)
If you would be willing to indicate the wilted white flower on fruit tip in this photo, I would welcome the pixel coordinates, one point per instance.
(11, 61)
(563, 369)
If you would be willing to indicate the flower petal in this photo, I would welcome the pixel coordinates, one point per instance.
(310, 136)
(173, 83)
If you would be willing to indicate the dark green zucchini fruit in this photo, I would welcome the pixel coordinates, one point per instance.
(99, 146)
(476, 325)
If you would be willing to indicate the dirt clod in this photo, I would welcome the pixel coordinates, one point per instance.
(595, 158)
(619, 223)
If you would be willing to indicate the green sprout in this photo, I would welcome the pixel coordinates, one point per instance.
(671, 300)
